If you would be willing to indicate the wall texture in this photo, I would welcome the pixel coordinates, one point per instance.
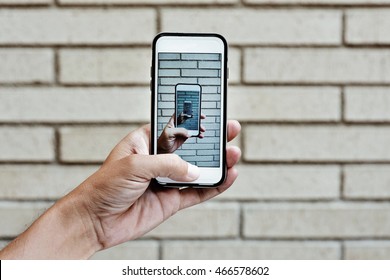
(309, 81)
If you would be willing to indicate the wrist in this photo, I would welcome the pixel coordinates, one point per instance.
(82, 240)
(64, 231)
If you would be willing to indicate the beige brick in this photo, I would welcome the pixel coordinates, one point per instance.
(316, 143)
(90, 144)
(367, 181)
(259, 26)
(26, 144)
(41, 181)
(318, 2)
(234, 64)
(367, 104)
(368, 26)
(25, 2)
(54, 105)
(3, 244)
(319, 220)
(246, 250)
(178, 2)
(26, 65)
(285, 182)
(292, 65)
(16, 217)
(367, 250)
(208, 220)
(284, 103)
(114, 66)
(77, 26)
(132, 250)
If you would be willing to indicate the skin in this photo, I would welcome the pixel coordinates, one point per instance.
(172, 137)
(182, 118)
(117, 203)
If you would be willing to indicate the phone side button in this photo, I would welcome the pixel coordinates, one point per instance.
(227, 73)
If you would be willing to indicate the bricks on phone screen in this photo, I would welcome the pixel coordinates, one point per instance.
(199, 69)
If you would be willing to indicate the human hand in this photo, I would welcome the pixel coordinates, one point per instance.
(117, 202)
(183, 117)
(121, 203)
(172, 137)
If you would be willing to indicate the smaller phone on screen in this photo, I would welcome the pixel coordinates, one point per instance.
(188, 107)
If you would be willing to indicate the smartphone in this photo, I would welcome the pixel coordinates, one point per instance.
(188, 108)
(189, 86)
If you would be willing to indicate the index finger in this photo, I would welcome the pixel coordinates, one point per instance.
(233, 129)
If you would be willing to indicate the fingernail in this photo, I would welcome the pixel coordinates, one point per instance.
(193, 172)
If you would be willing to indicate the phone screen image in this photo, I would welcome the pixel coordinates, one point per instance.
(189, 92)
(187, 113)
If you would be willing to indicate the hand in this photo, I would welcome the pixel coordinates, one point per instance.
(172, 137)
(182, 118)
(121, 203)
(117, 203)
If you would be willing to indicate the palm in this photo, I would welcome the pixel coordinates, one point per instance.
(171, 137)
(174, 141)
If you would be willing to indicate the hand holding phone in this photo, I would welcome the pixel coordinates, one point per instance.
(189, 103)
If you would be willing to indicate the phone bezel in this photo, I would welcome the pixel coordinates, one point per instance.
(192, 43)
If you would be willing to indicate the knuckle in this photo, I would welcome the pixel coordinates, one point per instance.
(131, 161)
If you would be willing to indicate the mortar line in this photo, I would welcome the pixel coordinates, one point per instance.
(342, 249)
(344, 28)
(158, 20)
(342, 105)
(342, 182)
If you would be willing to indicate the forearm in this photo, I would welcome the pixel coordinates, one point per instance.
(65, 231)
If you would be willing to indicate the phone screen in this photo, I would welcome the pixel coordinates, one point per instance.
(189, 103)
(188, 108)
(191, 84)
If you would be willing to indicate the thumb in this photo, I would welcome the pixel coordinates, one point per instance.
(163, 165)
(171, 122)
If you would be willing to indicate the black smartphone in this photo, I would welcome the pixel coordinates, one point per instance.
(189, 86)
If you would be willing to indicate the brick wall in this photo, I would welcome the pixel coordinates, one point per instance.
(309, 81)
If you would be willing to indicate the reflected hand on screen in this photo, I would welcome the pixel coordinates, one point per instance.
(173, 137)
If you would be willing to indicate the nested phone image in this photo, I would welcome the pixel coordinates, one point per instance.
(189, 85)
(188, 108)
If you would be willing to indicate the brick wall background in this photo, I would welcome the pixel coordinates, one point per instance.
(201, 69)
(309, 81)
